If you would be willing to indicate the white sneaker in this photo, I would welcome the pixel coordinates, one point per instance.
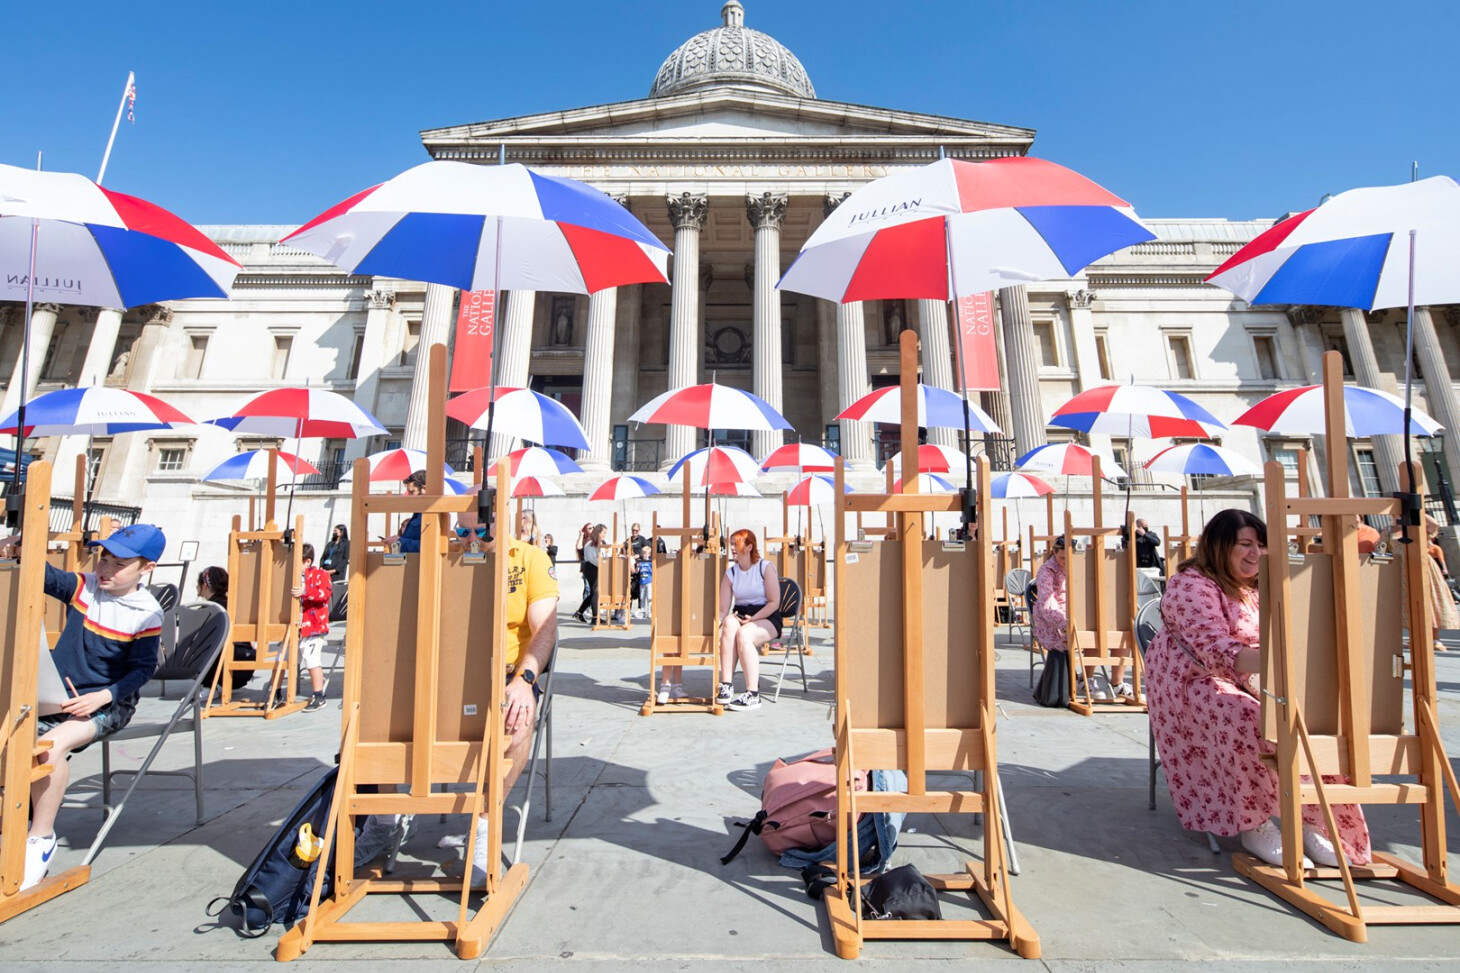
(749, 699)
(479, 856)
(1123, 691)
(39, 853)
(662, 699)
(1318, 847)
(1100, 689)
(1266, 842)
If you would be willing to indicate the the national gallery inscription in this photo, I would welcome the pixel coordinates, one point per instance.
(710, 171)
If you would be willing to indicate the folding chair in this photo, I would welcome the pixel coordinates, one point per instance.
(542, 728)
(1036, 651)
(202, 634)
(793, 634)
(167, 597)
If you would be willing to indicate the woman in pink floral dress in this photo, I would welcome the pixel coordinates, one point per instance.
(1051, 611)
(1201, 684)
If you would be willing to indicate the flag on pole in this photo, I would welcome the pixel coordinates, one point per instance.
(131, 97)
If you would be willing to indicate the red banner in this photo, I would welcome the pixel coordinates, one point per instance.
(471, 362)
(977, 343)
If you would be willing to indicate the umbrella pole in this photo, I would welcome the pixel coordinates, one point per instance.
(496, 324)
(14, 501)
(966, 494)
(293, 480)
(1409, 499)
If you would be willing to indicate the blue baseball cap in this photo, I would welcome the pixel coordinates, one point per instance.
(139, 540)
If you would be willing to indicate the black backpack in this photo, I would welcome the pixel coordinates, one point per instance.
(272, 889)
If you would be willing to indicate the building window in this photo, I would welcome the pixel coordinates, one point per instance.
(1288, 457)
(1338, 343)
(413, 338)
(1368, 469)
(51, 366)
(1268, 367)
(356, 350)
(95, 458)
(1049, 352)
(1102, 356)
(392, 443)
(283, 346)
(1182, 366)
(192, 366)
(172, 459)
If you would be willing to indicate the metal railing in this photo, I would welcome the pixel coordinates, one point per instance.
(639, 456)
(328, 478)
(63, 513)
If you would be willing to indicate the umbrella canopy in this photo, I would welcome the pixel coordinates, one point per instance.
(934, 459)
(1199, 459)
(100, 248)
(537, 461)
(442, 222)
(927, 483)
(1366, 412)
(394, 465)
(937, 408)
(1005, 221)
(814, 491)
(522, 413)
(254, 465)
(95, 411)
(1012, 486)
(623, 488)
(303, 414)
(735, 489)
(1354, 251)
(799, 458)
(715, 464)
(535, 486)
(1069, 459)
(711, 406)
(1136, 410)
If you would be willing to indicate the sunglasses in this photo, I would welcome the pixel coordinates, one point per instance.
(464, 532)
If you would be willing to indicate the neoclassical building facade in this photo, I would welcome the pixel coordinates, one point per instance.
(732, 159)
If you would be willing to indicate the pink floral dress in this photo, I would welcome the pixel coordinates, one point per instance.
(1051, 611)
(1207, 719)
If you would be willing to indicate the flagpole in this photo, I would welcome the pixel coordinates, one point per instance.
(128, 92)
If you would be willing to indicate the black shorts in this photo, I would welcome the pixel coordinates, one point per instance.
(774, 619)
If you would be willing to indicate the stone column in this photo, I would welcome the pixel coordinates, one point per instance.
(514, 355)
(851, 367)
(122, 478)
(1388, 450)
(767, 212)
(435, 329)
(937, 360)
(42, 327)
(380, 304)
(996, 404)
(98, 361)
(626, 338)
(1022, 360)
(1439, 391)
(687, 212)
(598, 378)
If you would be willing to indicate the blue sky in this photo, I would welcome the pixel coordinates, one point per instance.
(268, 112)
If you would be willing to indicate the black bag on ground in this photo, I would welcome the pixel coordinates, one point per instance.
(901, 893)
(1054, 681)
(273, 889)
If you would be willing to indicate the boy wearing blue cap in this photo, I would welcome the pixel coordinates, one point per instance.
(106, 653)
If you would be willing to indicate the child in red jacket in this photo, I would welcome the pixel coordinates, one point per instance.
(314, 593)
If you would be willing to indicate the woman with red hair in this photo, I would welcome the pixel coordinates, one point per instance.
(750, 596)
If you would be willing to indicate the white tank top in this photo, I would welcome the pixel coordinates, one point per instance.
(748, 587)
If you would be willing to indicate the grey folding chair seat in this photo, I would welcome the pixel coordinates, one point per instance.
(793, 635)
(542, 734)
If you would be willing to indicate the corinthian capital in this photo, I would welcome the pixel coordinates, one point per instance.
(1452, 316)
(154, 314)
(1082, 299)
(766, 211)
(831, 201)
(52, 308)
(1305, 314)
(688, 210)
(381, 300)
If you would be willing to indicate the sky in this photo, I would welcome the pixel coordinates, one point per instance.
(270, 112)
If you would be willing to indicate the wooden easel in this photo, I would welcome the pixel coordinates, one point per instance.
(1102, 607)
(262, 571)
(815, 606)
(615, 567)
(1333, 696)
(915, 691)
(1180, 547)
(424, 694)
(1006, 559)
(22, 597)
(685, 615)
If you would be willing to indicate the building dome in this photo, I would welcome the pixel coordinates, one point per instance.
(732, 54)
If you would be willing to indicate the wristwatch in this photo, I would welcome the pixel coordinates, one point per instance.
(528, 676)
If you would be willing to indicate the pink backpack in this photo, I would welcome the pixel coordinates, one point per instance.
(797, 805)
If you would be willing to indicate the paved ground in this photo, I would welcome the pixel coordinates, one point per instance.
(627, 871)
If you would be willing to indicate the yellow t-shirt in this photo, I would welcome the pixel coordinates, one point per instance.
(530, 577)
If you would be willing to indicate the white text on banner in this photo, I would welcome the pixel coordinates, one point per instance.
(978, 345)
(471, 362)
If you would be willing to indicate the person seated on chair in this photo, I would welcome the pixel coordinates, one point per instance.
(313, 591)
(409, 538)
(213, 586)
(1202, 690)
(532, 628)
(1368, 536)
(750, 596)
(107, 651)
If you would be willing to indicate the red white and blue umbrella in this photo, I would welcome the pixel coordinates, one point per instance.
(394, 465)
(482, 227)
(537, 461)
(535, 486)
(522, 413)
(715, 464)
(1003, 222)
(623, 488)
(1202, 459)
(927, 483)
(94, 411)
(100, 248)
(1354, 251)
(1136, 410)
(1068, 459)
(814, 491)
(303, 414)
(735, 488)
(711, 406)
(254, 465)
(937, 408)
(933, 458)
(1013, 486)
(799, 458)
(1367, 412)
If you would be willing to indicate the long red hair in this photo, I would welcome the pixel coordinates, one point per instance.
(746, 537)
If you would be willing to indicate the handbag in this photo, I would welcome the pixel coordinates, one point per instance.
(901, 893)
